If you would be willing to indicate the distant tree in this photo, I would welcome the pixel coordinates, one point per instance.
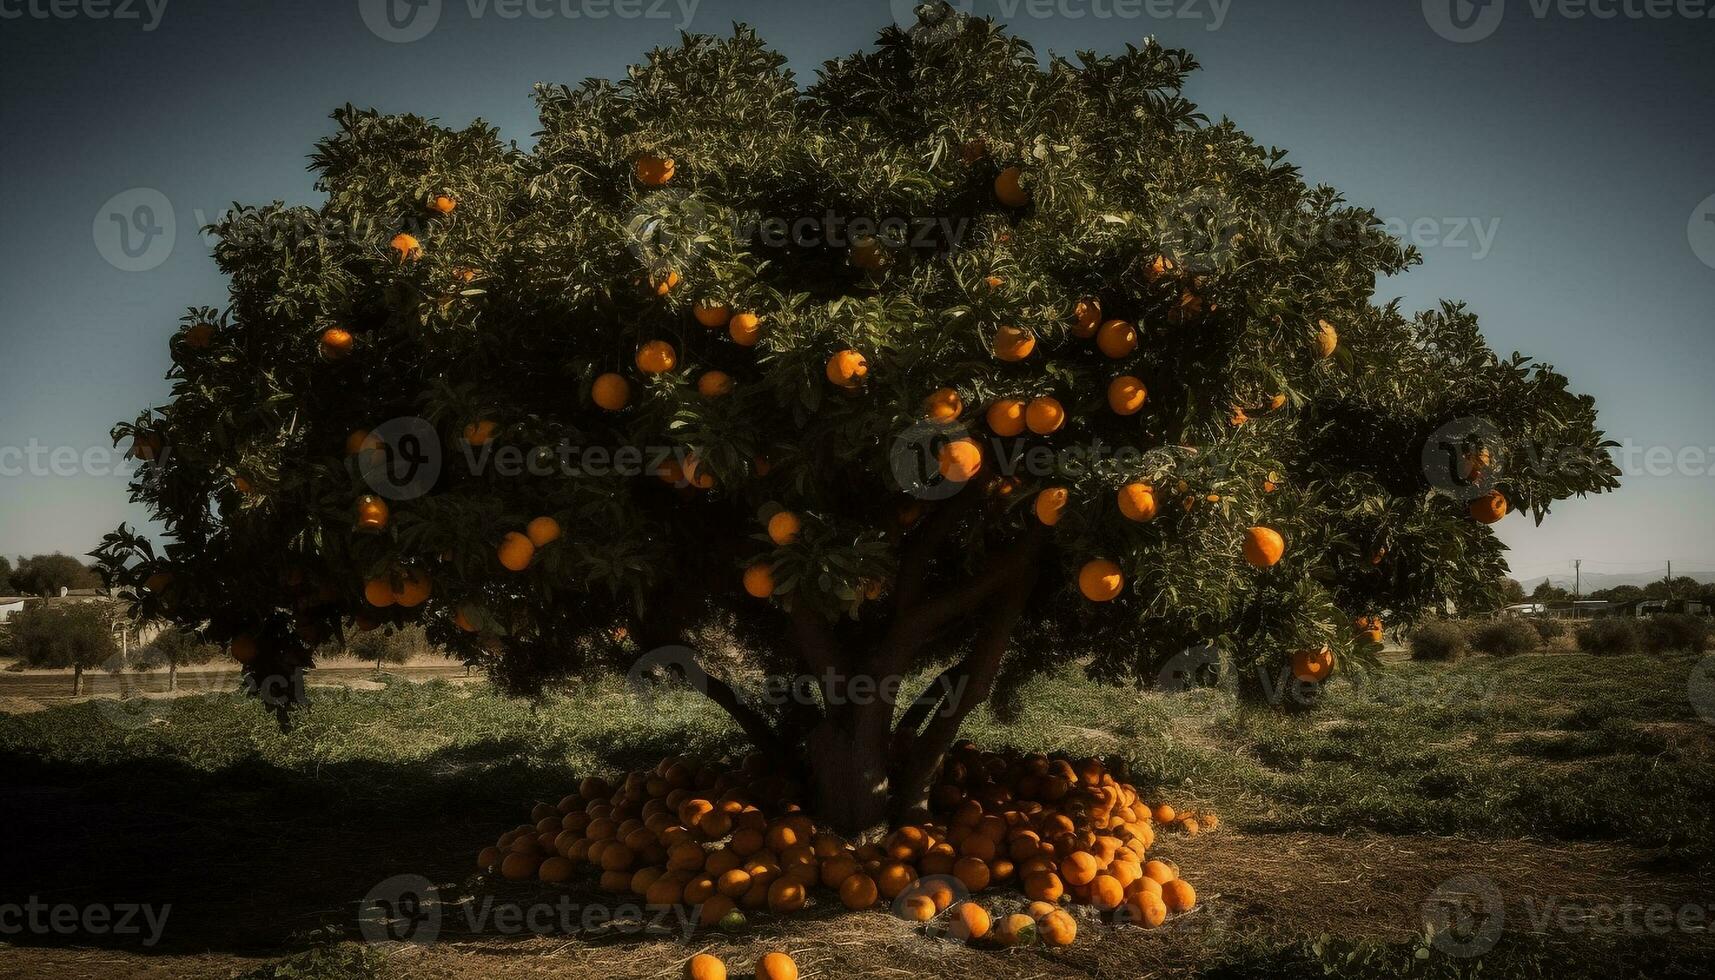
(1683, 587)
(387, 646)
(1619, 593)
(171, 649)
(1547, 591)
(1511, 591)
(5, 575)
(45, 575)
(66, 636)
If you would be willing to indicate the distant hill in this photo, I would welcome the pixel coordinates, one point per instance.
(1593, 581)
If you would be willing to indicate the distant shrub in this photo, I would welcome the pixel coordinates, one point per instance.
(1610, 635)
(1677, 632)
(1548, 629)
(1440, 640)
(1506, 637)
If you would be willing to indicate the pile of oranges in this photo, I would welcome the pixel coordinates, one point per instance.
(1064, 832)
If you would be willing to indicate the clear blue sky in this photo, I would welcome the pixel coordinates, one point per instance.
(1558, 170)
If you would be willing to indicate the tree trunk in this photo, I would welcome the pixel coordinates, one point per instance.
(847, 762)
(76, 680)
(172, 675)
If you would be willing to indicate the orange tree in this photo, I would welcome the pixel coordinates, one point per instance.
(953, 364)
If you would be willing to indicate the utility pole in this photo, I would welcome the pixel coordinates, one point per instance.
(1577, 584)
(1670, 578)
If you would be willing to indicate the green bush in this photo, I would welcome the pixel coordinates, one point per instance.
(1548, 629)
(1506, 637)
(1611, 635)
(1440, 640)
(1677, 632)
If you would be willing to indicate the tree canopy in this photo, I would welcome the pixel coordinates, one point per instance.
(46, 575)
(955, 359)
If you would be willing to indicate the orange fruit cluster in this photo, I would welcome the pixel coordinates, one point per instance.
(1063, 832)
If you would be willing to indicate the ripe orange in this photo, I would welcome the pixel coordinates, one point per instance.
(413, 590)
(714, 384)
(198, 335)
(1327, 339)
(970, 922)
(243, 648)
(785, 896)
(918, 908)
(542, 531)
(1137, 502)
(745, 329)
(467, 617)
(1178, 895)
(407, 246)
(1044, 415)
(515, 551)
(1013, 343)
(1006, 417)
(1313, 665)
(444, 203)
(336, 342)
(1158, 268)
(1016, 929)
(1051, 504)
(1263, 546)
(1057, 928)
(1490, 507)
(705, 967)
(759, 580)
(1079, 868)
(858, 891)
(783, 528)
(711, 314)
(1126, 395)
(478, 433)
(1100, 580)
(611, 392)
(847, 369)
(354, 442)
(378, 592)
(960, 460)
(1369, 628)
(1146, 909)
(656, 357)
(1089, 313)
(653, 171)
(1009, 190)
(372, 513)
(1117, 338)
(663, 283)
(943, 405)
(776, 966)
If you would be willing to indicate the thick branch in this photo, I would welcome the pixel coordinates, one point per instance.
(914, 626)
(929, 749)
(920, 549)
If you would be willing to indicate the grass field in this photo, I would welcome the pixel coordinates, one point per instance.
(1578, 787)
